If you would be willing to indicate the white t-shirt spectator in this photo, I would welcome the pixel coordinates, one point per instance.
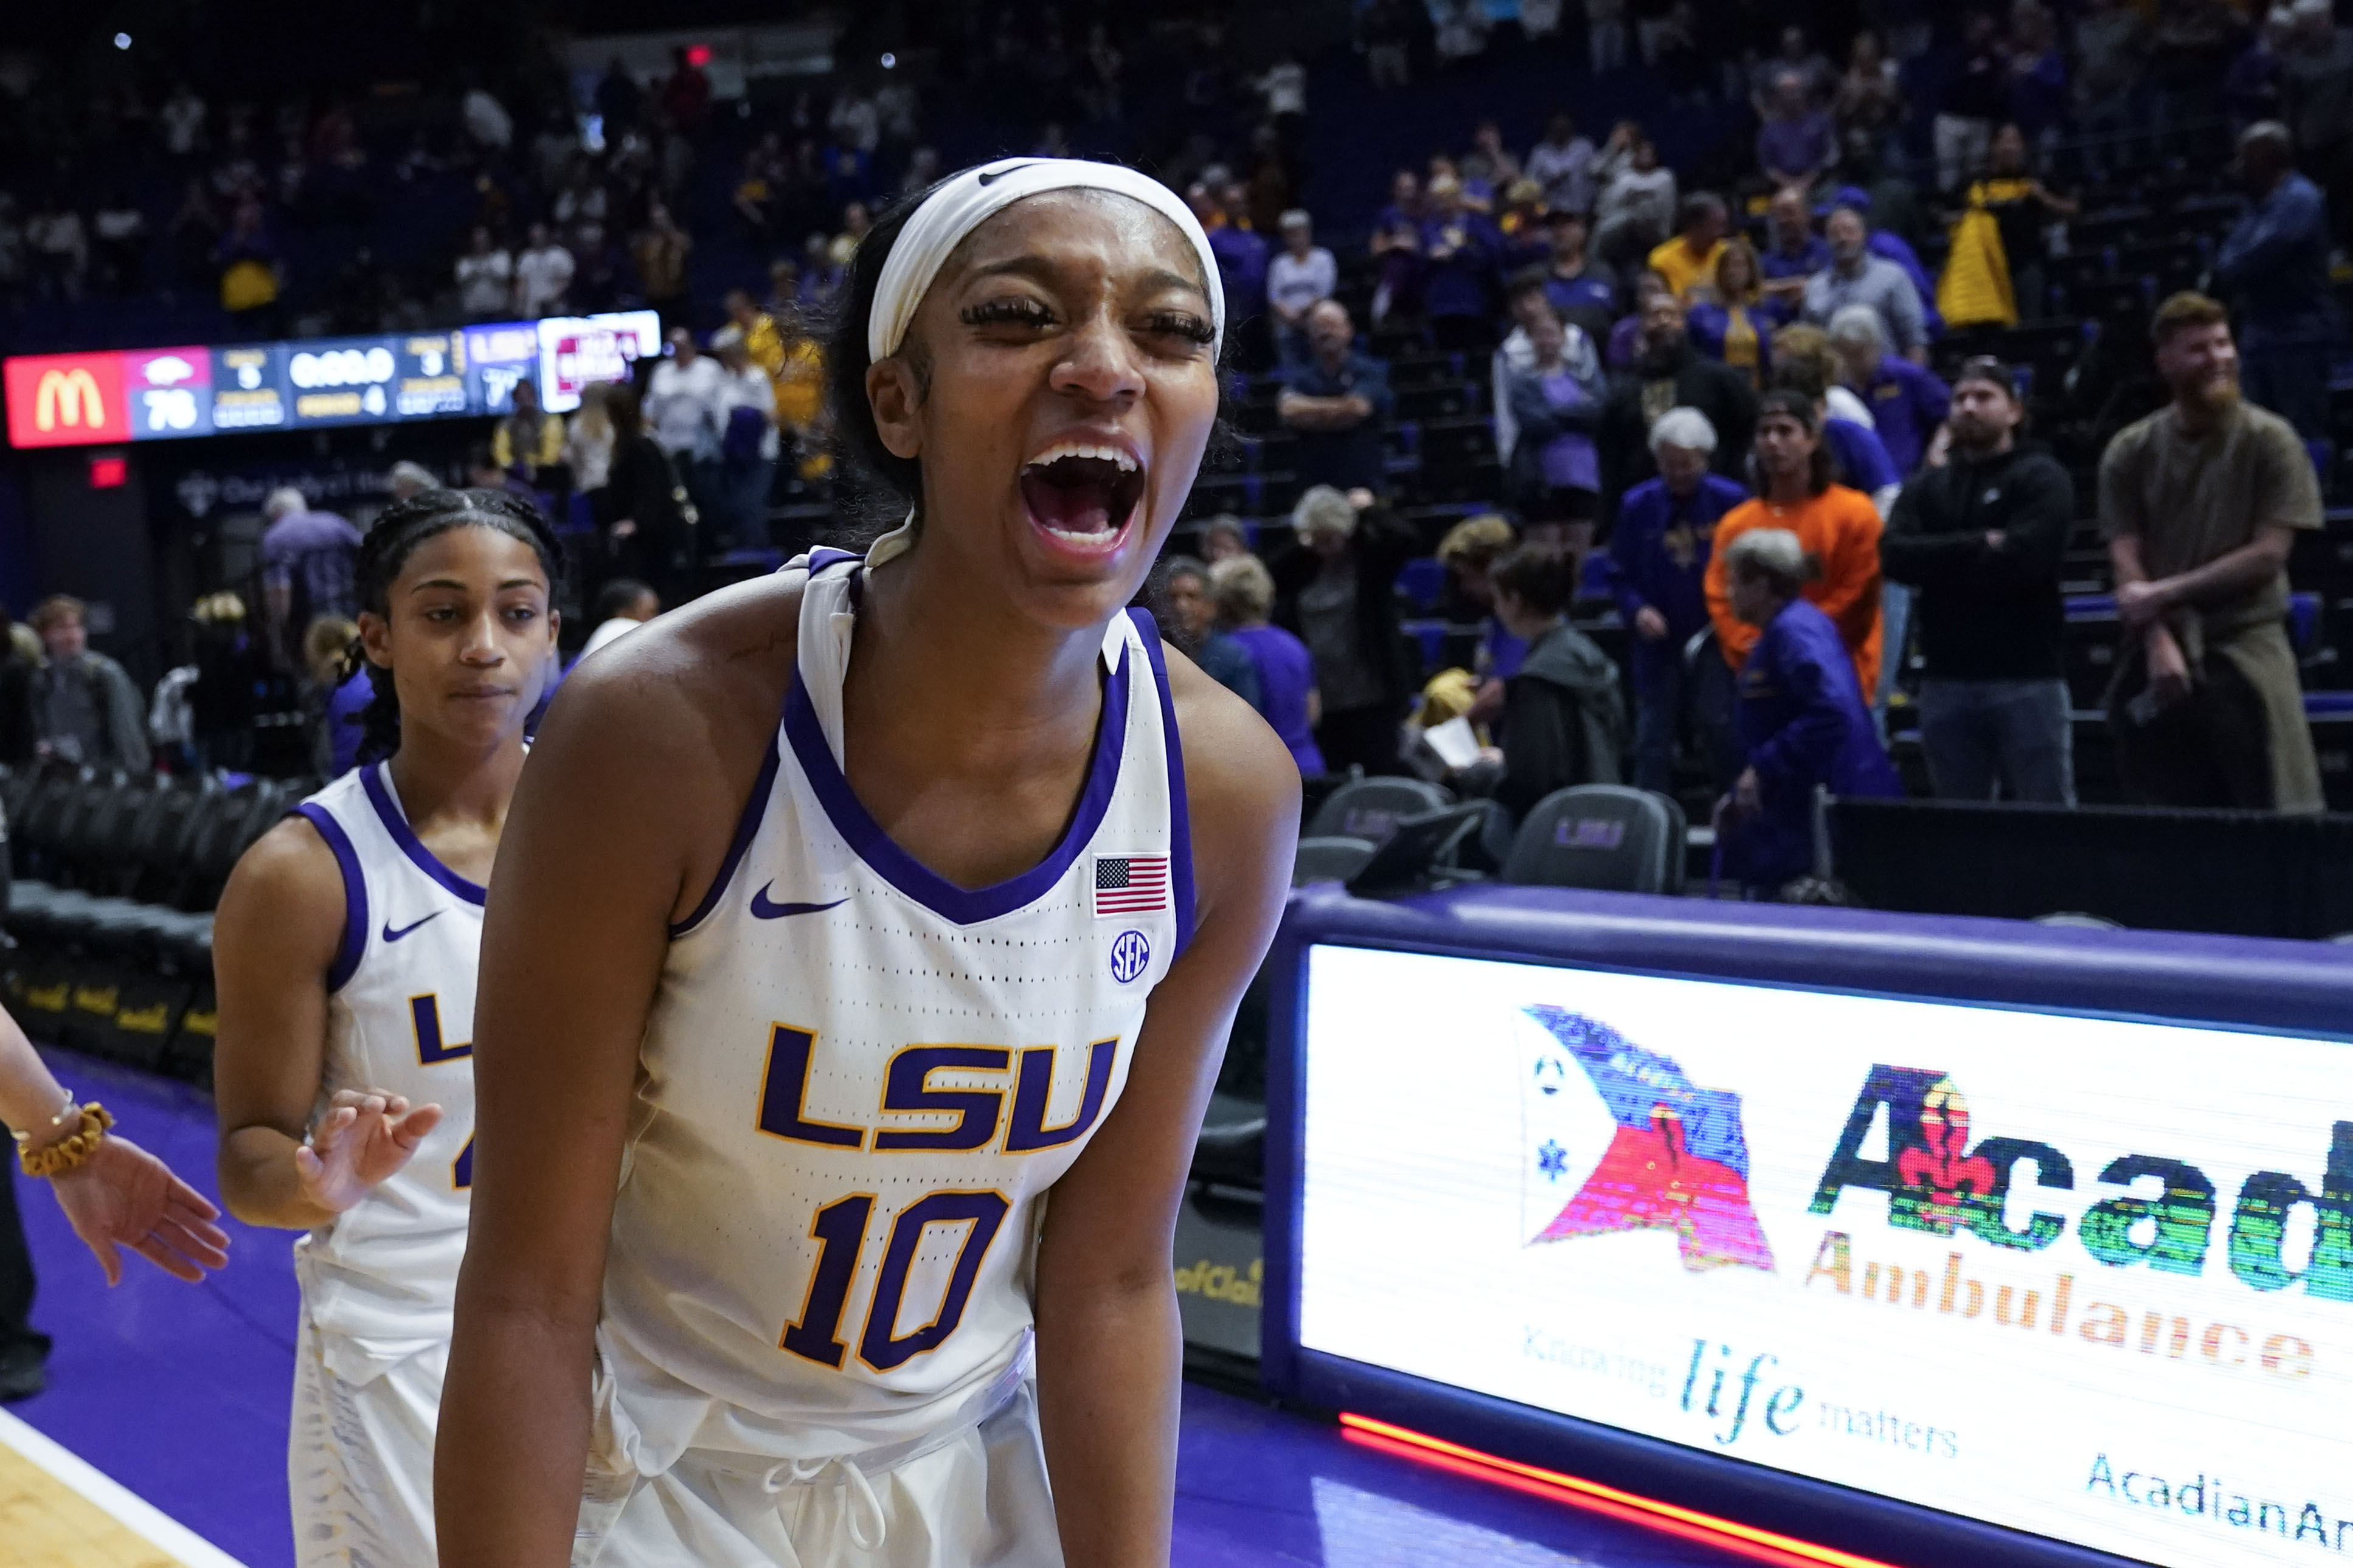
(1565, 172)
(1297, 282)
(182, 117)
(487, 120)
(541, 278)
(1286, 87)
(485, 282)
(118, 224)
(682, 407)
(751, 388)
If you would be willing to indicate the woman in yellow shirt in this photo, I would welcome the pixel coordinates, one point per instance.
(1727, 318)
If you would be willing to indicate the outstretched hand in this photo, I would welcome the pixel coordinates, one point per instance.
(123, 1197)
(364, 1138)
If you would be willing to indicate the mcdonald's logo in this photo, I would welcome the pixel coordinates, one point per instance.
(67, 400)
(70, 398)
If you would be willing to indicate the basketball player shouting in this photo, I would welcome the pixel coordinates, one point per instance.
(844, 916)
(344, 951)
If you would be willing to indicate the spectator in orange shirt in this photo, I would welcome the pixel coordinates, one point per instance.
(1792, 470)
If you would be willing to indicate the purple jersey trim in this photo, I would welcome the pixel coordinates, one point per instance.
(918, 881)
(1180, 815)
(388, 812)
(745, 827)
(356, 910)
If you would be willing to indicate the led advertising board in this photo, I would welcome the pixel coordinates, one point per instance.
(145, 394)
(65, 400)
(2086, 1278)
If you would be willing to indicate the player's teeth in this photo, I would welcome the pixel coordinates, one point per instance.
(1112, 455)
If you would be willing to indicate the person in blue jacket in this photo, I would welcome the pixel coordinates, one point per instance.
(1801, 722)
(1656, 562)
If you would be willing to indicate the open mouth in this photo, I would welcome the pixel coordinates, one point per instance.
(1082, 493)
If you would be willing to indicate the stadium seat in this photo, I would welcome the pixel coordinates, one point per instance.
(1421, 579)
(1330, 859)
(1370, 808)
(1232, 1149)
(1609, 838)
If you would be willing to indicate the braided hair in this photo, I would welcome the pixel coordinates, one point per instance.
(402, 527)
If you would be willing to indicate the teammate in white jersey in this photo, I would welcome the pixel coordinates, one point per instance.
(345, 951)
(847, 912)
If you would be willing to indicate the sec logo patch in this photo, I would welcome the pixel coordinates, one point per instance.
(1131, 955)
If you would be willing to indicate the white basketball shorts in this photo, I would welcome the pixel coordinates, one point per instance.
(975, 1497)
(359, 1461)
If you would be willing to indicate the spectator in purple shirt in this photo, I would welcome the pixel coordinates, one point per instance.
(1242, 260)
(1907, 403)
(1793, 252)
(1243, 591)
(307, 560)
(1555, 407)
(1459, 248)
(1397, 246)
(2037, 89)
(1800, 720)
(1798, 144)
(1655, 568)
(1580, 285)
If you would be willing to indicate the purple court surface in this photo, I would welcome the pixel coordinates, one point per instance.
(181, 1396)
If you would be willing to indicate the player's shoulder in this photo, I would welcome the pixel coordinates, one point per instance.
(290, 880)
(711, 665)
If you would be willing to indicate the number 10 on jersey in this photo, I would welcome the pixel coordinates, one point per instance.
(841, 1228)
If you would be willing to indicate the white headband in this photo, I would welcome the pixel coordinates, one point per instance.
(967, 200)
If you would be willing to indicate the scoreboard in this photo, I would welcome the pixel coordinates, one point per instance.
(168, 393)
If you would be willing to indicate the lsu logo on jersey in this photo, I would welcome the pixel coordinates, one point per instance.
(979, 1118)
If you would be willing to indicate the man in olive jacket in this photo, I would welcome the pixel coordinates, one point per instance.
(1983, 539)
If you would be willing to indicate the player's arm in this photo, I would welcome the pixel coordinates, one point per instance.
(120, 1195)
(1109, 1346)
(275, 935)
(642, 760)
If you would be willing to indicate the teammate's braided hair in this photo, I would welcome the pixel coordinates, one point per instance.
(402, 527)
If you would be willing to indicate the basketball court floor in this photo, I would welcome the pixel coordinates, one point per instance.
(162, 1439)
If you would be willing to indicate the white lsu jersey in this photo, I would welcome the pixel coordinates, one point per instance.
(380, 1282)
(858, 1080)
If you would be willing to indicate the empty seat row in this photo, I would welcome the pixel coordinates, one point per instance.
(130, 867)
(1605, 838)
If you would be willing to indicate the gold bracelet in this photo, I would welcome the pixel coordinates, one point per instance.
(68, 1110)
(69, 1154)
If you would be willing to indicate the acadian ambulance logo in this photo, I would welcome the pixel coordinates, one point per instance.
(2159, 1214)
(1677, 1161)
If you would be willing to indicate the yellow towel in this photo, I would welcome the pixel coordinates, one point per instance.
(1975, 290)
(1449, 695)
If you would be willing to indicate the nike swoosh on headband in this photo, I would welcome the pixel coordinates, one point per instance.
(764, 909)
(994, 175)
(392, 935)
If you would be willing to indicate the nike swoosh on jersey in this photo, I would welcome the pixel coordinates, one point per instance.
(765, 908)
(392, 935)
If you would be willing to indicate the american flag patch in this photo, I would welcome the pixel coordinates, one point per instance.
(1130, 884)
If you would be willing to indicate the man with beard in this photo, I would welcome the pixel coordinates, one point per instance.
(2199, 503)
(1982, 539)
(1670, 374)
